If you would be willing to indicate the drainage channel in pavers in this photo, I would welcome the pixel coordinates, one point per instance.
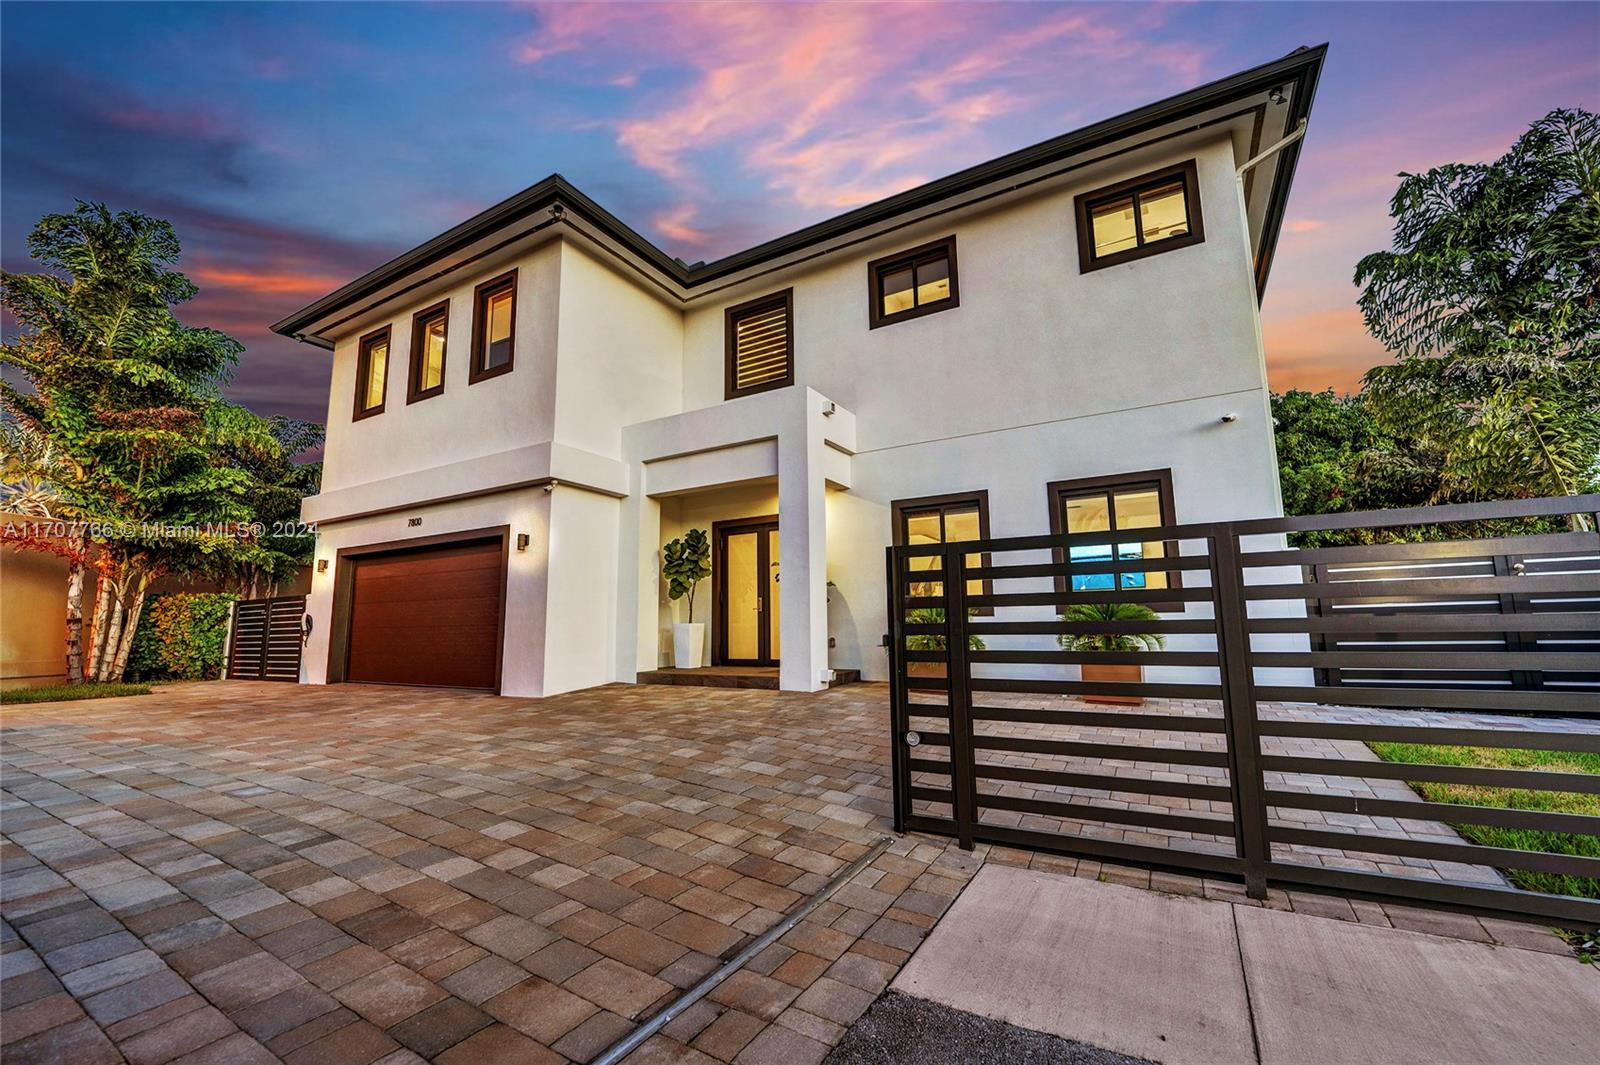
(633, 1040)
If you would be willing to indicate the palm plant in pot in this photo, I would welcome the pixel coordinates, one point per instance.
(932, 615)
(1109, 673)
(685, 562)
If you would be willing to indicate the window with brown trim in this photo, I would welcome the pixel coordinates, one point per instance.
(1148, 215)
(428, 329)
(940, 520)
(913, 283)
(760, 345)
(494, 322)
(1121, 503)
(372, 373)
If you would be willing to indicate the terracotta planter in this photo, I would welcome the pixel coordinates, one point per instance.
(1104, 674)
(925, 669)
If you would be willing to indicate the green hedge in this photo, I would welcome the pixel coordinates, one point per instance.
(181, 636)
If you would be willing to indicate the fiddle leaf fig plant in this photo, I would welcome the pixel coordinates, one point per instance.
(685, 562)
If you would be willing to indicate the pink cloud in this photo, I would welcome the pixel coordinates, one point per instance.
(1319, 348)
(832, 106)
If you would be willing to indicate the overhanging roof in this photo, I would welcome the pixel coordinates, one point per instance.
(1297, 73)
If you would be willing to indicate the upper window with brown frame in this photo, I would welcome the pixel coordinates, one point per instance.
(1121, 503)
(913, 283)
(1148, 215)
(494, 316)
(760, 345)
(428, 329)
(372, 373)
(945, 519)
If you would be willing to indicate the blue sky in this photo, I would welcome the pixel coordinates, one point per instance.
(297, 145)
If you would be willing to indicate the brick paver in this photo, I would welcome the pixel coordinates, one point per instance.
(243, 872)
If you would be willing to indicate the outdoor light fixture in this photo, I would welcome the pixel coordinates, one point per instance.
(522, 541)
(1276, 94)
(322, 565)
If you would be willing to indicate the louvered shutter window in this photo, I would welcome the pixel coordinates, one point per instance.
(760, 345)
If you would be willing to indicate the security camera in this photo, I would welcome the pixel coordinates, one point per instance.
(1229, 418)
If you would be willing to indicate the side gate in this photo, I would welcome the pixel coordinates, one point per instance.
(266, 639)
(1033, 707)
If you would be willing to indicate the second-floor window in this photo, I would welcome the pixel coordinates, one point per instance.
(760, 345)
(427, 352)
(1154, 213)
(372, 373)
(913, 283)
(494, 312)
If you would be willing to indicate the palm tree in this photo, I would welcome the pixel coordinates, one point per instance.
(1111, 641)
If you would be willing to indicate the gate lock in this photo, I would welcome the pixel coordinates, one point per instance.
(912, 739)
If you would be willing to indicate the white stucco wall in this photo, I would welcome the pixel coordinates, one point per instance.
(620, 356)
(580, 637)
(466, 422)
(1034, 339)
(1218, 473)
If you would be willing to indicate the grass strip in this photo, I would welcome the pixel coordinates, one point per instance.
(1514, 799)
(61, 693)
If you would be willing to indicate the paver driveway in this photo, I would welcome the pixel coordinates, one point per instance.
(238, 872)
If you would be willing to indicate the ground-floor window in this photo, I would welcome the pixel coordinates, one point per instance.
(1113, 504)
(945, 519)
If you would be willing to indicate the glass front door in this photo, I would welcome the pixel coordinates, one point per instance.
(747, 604)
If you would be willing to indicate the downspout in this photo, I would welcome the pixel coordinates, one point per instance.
(1249, 165)
(1250, 281)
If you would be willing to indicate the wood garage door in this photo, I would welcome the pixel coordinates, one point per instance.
(428, 616)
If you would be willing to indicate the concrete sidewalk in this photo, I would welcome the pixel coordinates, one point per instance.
(1178, 980)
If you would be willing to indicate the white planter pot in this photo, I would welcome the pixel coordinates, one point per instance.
(688, 645)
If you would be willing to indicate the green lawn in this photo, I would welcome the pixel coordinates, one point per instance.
(66, 692)
(1514, 799)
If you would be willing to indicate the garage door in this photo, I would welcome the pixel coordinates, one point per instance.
(429, 616)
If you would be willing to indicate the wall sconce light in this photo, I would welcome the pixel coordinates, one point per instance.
(522, 541)
(322, 565)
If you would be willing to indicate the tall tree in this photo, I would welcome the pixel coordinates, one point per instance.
(130, 398)
(1334, 455)
(279, 484)
(1490, 303)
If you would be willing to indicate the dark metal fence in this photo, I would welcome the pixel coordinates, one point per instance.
(266, 639)
(1431, 576)
(1244, 767)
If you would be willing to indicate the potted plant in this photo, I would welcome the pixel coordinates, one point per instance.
(1107, 673)
(932, 615)
(685, 562)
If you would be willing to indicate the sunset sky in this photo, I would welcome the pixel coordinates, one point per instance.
(295, 146)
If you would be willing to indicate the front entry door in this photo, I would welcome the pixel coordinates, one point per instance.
(747, 602)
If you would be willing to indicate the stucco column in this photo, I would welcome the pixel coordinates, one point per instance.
(803, 551)
(639, 582)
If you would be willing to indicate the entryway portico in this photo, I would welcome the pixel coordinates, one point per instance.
(772, 455)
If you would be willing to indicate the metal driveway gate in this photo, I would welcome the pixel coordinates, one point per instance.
(993, 742)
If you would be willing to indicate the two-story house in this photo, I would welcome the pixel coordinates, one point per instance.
(525, 408)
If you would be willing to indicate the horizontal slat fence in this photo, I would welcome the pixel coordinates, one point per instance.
(1010, 728)
(1454, 581)
(267, 639)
